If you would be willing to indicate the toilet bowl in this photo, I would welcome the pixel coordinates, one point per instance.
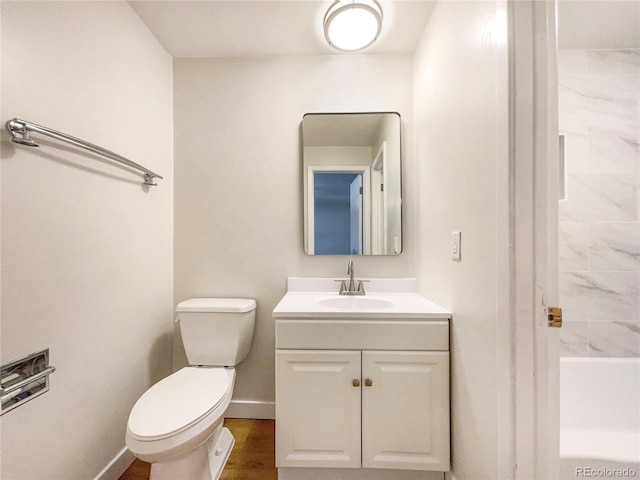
(177, 425)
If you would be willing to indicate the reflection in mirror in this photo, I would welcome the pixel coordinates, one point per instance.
(352, 184)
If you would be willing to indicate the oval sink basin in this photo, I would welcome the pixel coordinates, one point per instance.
(355, 303)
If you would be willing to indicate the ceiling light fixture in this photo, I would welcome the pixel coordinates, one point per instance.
(352, 25)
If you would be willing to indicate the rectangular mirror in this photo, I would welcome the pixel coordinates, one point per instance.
(352, 183)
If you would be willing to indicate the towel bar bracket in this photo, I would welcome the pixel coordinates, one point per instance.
(148, 180)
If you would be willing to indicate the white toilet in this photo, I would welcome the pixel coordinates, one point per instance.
(176, 425)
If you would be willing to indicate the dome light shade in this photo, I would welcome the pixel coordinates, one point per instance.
(352, 25)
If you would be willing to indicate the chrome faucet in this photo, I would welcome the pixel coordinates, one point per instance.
(351, 289)
(352, 285)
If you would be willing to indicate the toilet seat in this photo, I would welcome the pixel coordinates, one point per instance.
(178, 402)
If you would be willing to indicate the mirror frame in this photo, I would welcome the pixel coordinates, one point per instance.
(394, 247)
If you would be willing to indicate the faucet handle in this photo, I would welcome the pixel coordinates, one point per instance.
(343, 286)
(361, 287)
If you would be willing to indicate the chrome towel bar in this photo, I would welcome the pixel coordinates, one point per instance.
(20, 133)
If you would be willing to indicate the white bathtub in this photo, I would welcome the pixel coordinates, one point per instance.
(599, 418)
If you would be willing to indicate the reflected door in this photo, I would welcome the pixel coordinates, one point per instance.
(339, 215)
(355, 213)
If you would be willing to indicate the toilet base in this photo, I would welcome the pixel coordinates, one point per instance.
(219, 453)
(204, 463)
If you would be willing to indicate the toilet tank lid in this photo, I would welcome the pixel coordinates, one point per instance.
(238, 305)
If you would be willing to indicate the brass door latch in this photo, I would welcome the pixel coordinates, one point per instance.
(554, 317)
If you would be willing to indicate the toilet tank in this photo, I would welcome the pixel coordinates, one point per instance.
(216, 331)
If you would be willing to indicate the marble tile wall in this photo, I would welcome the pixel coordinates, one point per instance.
(599, 96)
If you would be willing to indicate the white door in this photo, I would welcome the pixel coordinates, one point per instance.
(536, 178)
(546, 243)
(405, 410)
(355, 210)
(318, 409)
(378, 205)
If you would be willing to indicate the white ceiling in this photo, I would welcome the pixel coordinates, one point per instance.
(341, 129)
(599, 24)
(248, 28)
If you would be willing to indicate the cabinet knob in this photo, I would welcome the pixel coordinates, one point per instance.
(356, 382)
(368, 382)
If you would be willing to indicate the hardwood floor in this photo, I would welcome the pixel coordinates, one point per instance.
(138, 470)
(252, 457)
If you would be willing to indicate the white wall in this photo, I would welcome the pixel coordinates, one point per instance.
(393, 181)
(238, 166)
(461, 148)
(347, 155)
(86, 250)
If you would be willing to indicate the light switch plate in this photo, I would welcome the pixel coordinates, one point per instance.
(455, 246)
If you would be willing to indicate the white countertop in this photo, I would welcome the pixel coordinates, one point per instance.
(305, 296)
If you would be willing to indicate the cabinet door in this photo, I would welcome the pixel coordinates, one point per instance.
(405, 410)
(318, 408)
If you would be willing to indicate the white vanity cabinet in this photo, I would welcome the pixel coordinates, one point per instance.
(405, 410)
(318, 408)
(362, 383)
(362, 409)
(362, 394)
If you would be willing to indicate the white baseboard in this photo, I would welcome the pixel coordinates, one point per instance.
(251, 409)
(117, 466)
